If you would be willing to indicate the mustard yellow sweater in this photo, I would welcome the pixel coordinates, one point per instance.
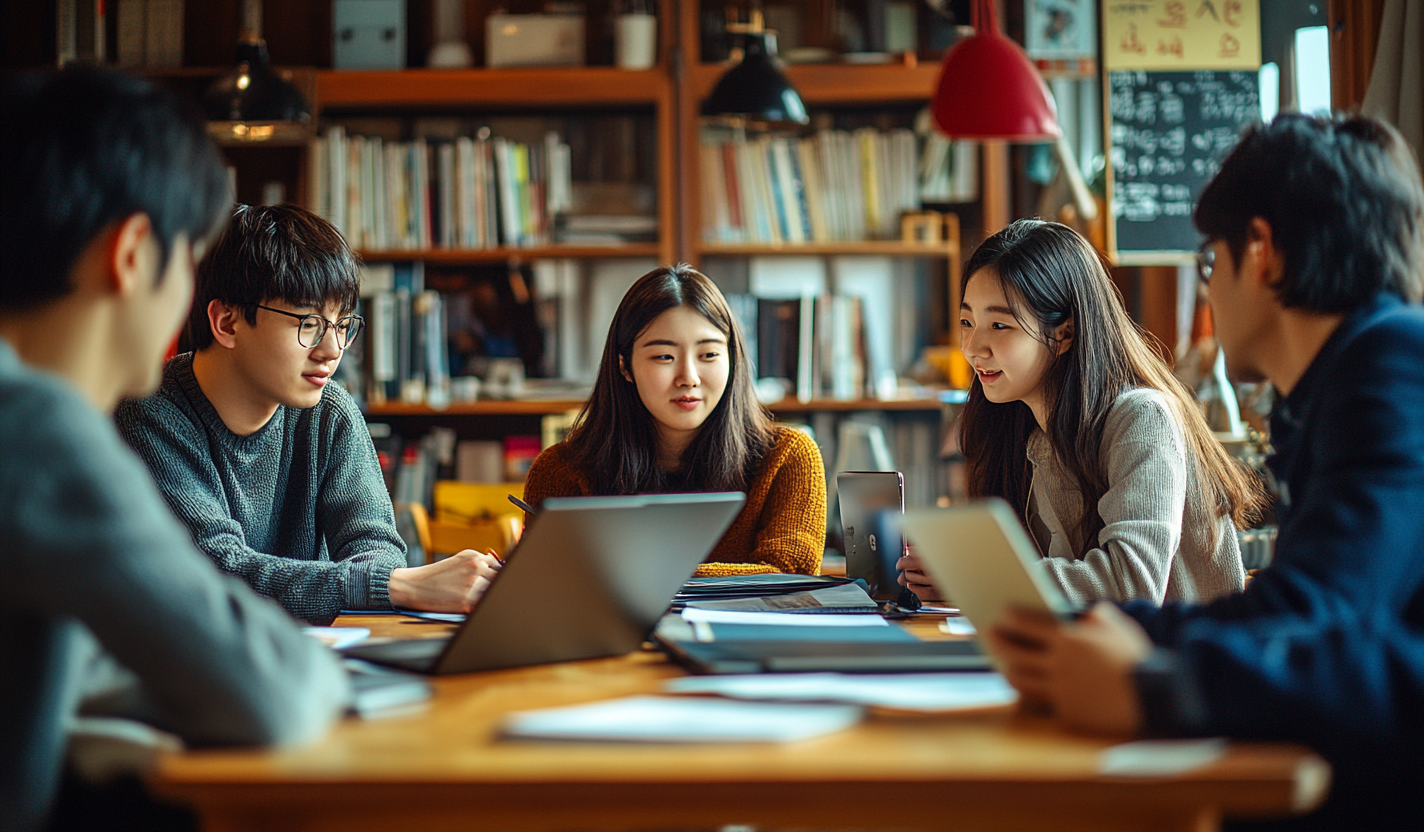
(782, 527)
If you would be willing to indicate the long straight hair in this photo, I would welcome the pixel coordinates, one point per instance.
(1051, 276)
(614, 440)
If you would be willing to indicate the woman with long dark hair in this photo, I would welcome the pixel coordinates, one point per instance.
(673, 409)
(1074, 419)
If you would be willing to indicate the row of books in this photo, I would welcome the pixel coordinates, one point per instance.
(471, 193)
(815, 344)
(835, 185)
(407, 338)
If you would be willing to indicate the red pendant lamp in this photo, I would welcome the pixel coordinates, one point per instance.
(988, 88)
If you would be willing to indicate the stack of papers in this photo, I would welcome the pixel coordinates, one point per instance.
(751, 586)
(843, 598)
(666, 719)
(929, 692)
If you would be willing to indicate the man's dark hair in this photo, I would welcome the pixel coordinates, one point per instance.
(274, 253)
(1344, 202)
(83, 148)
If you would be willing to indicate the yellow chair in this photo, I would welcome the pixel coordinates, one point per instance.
(475, 516)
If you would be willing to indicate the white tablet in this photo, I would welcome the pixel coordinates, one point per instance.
(979, 556)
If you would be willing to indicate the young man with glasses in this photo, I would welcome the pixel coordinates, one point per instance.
(268, 463)
(1313, 268)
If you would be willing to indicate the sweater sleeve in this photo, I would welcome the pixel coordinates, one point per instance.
(1141, 511)
(354, 509)
(791, 535)
(89, 539)
(177, 454)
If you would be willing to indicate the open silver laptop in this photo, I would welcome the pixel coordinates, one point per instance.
(590, 577)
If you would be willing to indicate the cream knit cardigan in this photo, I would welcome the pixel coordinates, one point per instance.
(1160, 540)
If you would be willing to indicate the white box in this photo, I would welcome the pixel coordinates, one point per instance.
(368, 34)
(534, 40)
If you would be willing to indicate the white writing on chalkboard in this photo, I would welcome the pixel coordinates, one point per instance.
(1169, 132)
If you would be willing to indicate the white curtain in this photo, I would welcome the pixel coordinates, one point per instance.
(1396, 92)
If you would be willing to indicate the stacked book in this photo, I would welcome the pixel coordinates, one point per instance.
(471, 193)
(833, 186)
(815, 343)
(408, 339)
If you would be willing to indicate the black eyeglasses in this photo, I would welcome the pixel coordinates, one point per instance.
(313, 327)
(1206, 261)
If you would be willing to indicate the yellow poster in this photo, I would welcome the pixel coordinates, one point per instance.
(1181, 34)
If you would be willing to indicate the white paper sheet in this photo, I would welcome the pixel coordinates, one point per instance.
(679, 719)
(957, 626)
(933, 692)
(1160, 758)
(338, 637)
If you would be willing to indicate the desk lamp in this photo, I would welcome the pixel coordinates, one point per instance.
(756, 89)
(251, 102)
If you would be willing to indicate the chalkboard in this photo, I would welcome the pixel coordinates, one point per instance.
(1169, 132)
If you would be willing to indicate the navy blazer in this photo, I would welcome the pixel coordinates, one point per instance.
(1324, 646)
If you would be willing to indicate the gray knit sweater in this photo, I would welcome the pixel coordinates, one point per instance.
(1160, 541)
(297, 509)
(92, 555)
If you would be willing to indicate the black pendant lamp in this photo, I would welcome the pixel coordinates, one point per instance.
(252, 102)
(755, 89)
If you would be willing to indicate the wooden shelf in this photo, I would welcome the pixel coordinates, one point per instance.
(474, 256)
(524, 407)
(469, 88)
(486, 407)
(842, 83)
(844, 405)
(890, 248)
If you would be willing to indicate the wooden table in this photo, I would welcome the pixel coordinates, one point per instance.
(446, 768)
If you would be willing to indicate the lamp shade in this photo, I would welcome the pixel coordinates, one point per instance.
(253, 91)
(756, 89)
(988, 89)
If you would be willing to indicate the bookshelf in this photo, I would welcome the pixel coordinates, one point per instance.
(669, 95)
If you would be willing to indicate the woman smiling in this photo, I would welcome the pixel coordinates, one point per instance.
(673, 409)
(1074, 419)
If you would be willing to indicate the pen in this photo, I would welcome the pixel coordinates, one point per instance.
(527, 508)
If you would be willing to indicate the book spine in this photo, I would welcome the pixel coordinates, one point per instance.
(806, 350)
(383, 343)
(317, 179)
(736, 217)
(336, 188)
(813, 192)
(869, 182)
(711, 223)
(355, 205)
(448, 216)
(508, 193)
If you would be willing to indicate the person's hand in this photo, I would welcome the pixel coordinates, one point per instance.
(454, 584)
(1081, 670)
(912, 575)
